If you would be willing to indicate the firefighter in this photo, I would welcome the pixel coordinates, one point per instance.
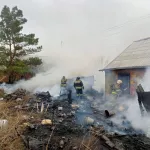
(117, 89)
(78, 85)
(63, 84)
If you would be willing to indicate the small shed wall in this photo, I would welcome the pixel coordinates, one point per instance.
(111, 76)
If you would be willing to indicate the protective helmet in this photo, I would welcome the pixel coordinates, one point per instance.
(119, 81)
(78, 78)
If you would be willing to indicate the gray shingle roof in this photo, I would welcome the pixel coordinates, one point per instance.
(137, 55)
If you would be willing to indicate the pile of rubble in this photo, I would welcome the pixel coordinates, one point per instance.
(115, 141)
(17, 95)
(54, 124)
(43, 117)
(56, 128)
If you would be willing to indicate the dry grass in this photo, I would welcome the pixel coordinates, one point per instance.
(9, 139)
(1, 93)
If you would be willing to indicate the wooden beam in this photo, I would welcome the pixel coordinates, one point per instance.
(86, 146)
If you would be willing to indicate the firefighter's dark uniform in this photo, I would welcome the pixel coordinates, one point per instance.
(78, 85)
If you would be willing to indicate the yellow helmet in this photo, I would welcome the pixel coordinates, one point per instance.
(119, 81)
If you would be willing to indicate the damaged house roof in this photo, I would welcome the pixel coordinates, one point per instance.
(136, 55)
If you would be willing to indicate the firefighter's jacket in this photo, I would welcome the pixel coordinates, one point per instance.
(116, 90)
(63, 82)
(78, 84)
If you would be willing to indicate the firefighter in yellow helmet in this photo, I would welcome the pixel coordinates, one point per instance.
(63, 84)
(116, 89)
(116, 92)
(78, 85)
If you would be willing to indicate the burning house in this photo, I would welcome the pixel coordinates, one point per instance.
(129, 66)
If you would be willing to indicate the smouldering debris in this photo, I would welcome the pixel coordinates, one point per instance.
(63, 125)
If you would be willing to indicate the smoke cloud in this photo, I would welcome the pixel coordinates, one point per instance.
(145, 80)
(80, 37)
(133, 115)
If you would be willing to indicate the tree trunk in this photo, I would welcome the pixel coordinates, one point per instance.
(11, 78)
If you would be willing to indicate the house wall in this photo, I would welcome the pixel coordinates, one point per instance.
(110, 78)
(112, 75)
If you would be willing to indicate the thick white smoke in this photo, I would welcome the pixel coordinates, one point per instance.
(77, 35)
(145, 82)
(134, 116)
(133, 113)
(71, 66)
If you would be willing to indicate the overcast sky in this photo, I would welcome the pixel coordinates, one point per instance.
(82, 24)
(88, 29)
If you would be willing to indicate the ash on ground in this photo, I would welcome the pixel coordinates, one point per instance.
(69, 123)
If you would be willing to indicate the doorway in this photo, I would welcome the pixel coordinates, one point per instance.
(125, 77)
